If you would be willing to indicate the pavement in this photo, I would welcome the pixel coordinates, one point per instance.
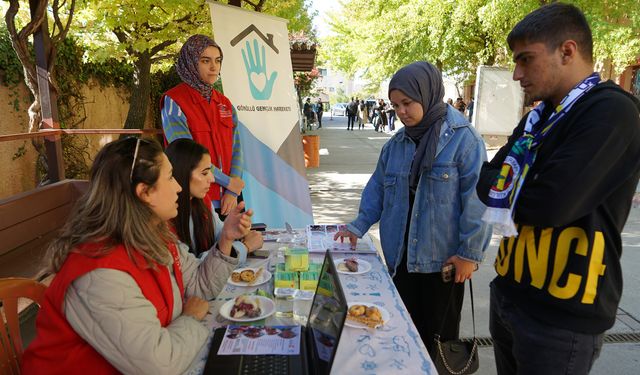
(347, 159)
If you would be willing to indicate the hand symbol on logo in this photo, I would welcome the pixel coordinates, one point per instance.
(259, 85)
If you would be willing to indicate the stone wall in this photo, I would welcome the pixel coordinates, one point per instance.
(104, 108)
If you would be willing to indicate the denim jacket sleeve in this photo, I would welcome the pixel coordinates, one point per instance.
(474, 233)
(371, 199)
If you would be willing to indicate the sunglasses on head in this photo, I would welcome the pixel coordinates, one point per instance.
(135, 156)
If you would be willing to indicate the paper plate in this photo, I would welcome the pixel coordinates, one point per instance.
(267, 307)
(263, 278)
(363, 267)
(352, 323)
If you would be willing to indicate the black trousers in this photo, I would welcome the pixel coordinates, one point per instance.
(426, 296)
(319, 115)
(351, 120)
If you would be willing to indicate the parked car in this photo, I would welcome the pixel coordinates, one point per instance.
(339, 109)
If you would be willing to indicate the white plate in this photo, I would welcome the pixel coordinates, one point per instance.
(264, 277)
(363, 267)
(267, 307)
(352, 323)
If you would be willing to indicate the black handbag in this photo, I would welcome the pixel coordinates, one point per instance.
(457, 357)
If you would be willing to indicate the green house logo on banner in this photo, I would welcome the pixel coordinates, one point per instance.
(255, 62)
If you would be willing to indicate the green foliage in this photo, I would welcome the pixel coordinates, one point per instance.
(297, 12)
(125, 28)
(22, 150)
(457, 36)
(10, 67)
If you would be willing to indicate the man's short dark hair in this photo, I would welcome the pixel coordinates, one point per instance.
(552, 24)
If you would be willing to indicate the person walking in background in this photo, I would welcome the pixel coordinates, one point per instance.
(391, 114)
(319, 110)
(450, 101)
(560, 192)
(352, 113)
(470, 110)
(195, 110)
(307, 110)
(363, 114)
(382, 115)
(459, 105)
(423, 194)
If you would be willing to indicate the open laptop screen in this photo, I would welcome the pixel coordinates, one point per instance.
(326, 318)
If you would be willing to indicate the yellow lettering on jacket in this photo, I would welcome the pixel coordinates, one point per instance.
(537, 261)
(567, 236)
(596, 269)
(537, 257)
(504, 256)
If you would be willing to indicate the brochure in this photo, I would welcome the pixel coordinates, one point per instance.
(256, 340)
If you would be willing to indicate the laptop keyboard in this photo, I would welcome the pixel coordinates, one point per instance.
(265, 364)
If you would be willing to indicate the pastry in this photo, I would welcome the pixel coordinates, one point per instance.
(235, 277)
(357, 310)
(368, 315)
(247, 275)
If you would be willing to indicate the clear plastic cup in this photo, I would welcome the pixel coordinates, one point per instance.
(302, 300)
(284, 302)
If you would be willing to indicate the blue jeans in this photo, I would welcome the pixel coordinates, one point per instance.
(524, 345)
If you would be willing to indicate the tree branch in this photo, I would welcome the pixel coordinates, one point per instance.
(19, 40)
(161, 46)
(163, 57)
(123, 38)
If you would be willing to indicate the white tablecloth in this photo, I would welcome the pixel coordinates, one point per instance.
(394, 348)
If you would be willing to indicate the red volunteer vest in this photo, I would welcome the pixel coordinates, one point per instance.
(210, 124)
(57, 348)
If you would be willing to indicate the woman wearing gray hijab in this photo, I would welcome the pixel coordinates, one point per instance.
(423, 194)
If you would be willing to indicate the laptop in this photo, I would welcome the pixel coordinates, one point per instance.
(318, 342)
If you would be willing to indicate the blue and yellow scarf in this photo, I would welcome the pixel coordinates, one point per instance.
(506, 188)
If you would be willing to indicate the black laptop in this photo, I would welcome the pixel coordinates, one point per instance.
(318, 343)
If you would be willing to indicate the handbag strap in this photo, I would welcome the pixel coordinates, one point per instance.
(473, 310)
(474, 349)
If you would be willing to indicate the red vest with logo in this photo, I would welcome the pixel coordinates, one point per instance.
(57, 348)
(210, 124)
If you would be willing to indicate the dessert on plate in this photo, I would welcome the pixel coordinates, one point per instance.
(247, 275)
(349, 265)
(368, 315)
(245, 307)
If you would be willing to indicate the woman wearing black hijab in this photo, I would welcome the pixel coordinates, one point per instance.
(423, 194)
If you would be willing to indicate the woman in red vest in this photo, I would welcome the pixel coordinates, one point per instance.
(127, 297)
(195, 110)
(195, 224)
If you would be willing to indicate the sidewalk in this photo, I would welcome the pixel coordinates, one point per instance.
(347, 160)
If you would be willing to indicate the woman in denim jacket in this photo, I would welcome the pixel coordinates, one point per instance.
(423, 194)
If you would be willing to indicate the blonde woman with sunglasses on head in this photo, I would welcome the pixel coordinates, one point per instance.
(127, 297)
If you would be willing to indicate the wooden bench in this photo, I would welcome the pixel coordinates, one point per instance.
(29, 222)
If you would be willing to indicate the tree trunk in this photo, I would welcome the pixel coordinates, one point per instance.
(140, 92)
